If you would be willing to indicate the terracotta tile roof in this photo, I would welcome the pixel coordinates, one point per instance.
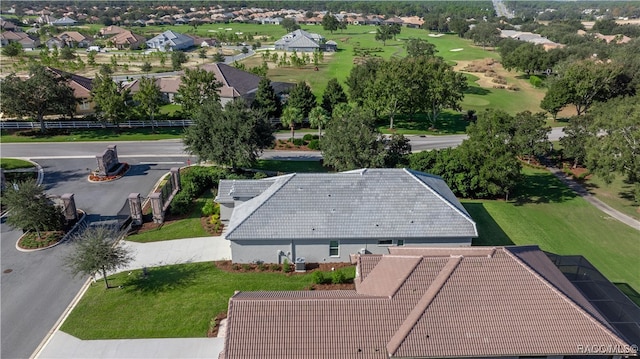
(486, 302)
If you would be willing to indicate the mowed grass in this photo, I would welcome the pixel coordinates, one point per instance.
(124, 134)
(189, 227)
(546, 213)
(176, 301)
(14, 164)
(618, 194)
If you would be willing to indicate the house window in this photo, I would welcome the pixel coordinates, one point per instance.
(385, 242)
(400, 242)
(85, 105)
(334, 249)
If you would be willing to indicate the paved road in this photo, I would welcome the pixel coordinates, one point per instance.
(36, 289)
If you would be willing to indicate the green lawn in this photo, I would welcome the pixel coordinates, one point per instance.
(13, 163)
(189, 227)
(110, 134)
(547, 213)
(176, 301)
(618, 194)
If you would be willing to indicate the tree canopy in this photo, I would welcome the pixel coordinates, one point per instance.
(291, 115)
(94, 252)
(318, 118)
(351, 141)
(232, 136)
(266, 99)
(31, 209)
(197, 87)
(290, 24)
(149, 99)
(333, 95)
(302, 98)
(330, 23)
(420, 47)
(485, 34)
(44, 92)
(111, 98)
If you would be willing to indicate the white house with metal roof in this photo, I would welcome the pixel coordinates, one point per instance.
(170, 41)
(326, 217)
(300, 40)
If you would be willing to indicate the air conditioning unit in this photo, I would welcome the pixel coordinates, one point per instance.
(300, 264)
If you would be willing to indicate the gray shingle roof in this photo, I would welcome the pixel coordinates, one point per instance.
(370, 203)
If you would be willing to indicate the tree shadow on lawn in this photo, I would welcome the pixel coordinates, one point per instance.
(489, 232)
(477, 90)
(541, 188)
(160, 279)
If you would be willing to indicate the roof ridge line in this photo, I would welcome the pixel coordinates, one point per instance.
(465, 215)
(263, 202)
(566, 298)
(427, 298)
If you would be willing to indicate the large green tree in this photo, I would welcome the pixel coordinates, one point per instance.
(384, 33)
(12, 49)
(618, 149)
(361, 77)
(578, 132)
(526, 57)
(177, 59)
(351, 141)
(94, 251)
(44, 92)
(419, 47)
(149, 99)
(330, 23)
(301, 97)
(582, 83)
(333, 95)
(266, 99)
(391, 90)
(290, 24)
(232, 136)
(530, 135)
(31, 209)
(197, 87)
(485, 34)
(111, 98)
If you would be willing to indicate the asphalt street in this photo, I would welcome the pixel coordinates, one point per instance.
(35, 287)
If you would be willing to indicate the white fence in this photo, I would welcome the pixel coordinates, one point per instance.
(25, 125)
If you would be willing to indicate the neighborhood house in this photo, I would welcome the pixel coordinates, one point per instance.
(327, 217)
(303, 41)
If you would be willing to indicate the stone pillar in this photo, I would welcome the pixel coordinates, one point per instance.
(114, 152)
(3, 180)
(135, 206)
(101, 171)
(69, 203)
(175, 179)
(157, 206)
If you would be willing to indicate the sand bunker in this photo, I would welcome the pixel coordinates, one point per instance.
(456, 50)
(436, 35)
(372, 32)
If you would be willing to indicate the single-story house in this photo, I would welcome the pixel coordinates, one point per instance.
(237, 83)
(127, 40)
(69, 39)
(8, 26)
(110, 31)
(28, 41)
(64, 21)
(302, 41)
(81, 90)
(327, 217)
(473, 302)
(170, 41)
(168, 87)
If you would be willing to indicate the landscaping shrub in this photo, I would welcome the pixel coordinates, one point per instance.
(259, 175)
(308, 137)
(319, 277)
(298, 142)
(261, 267)
(181, 203)
(535, 81)
(285, 266)
(339, 277)
(275, 267)
(246, 267)
(210, 208)
(314, 145)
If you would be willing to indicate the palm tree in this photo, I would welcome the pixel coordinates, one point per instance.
(319, 118)
(290, 116)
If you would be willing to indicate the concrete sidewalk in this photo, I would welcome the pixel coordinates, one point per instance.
(154, 254)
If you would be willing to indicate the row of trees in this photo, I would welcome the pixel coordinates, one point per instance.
(421, 83)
